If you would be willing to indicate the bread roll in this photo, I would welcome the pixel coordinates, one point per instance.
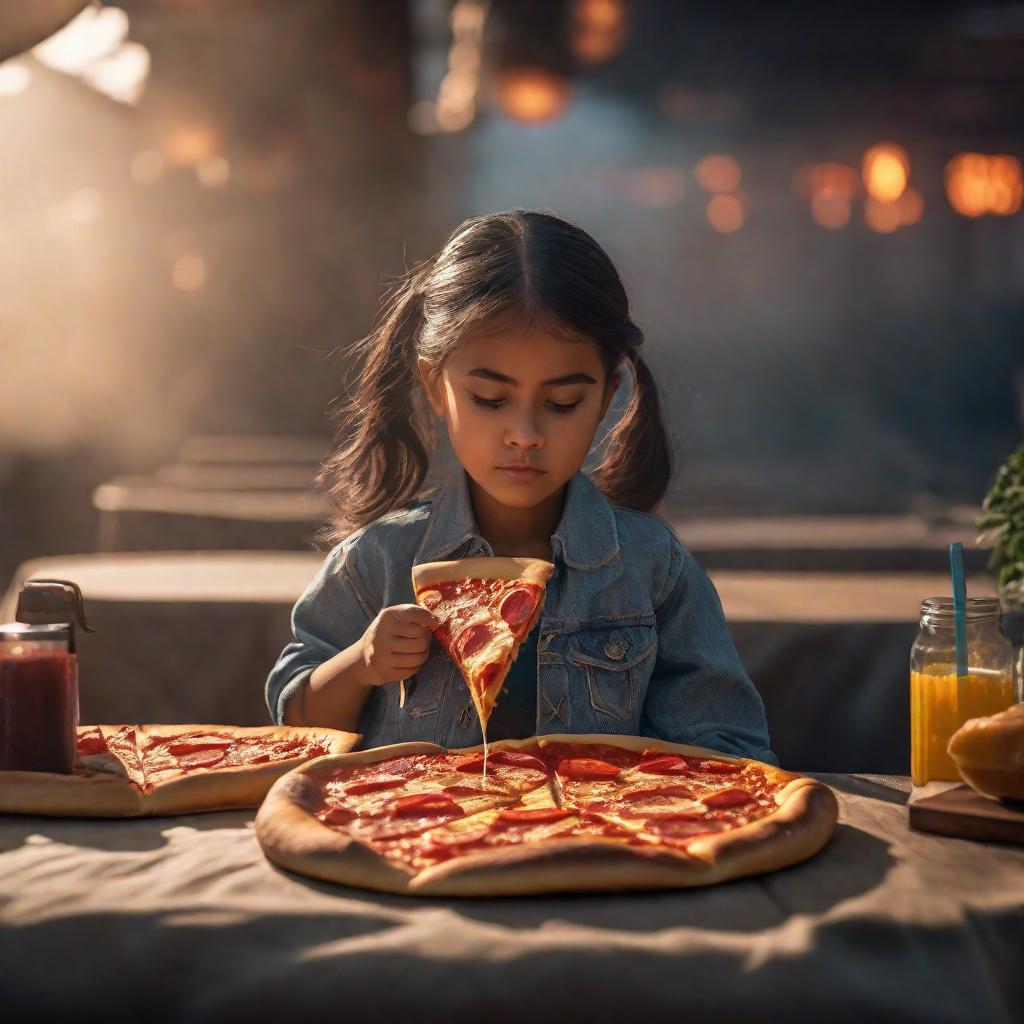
(989, 753)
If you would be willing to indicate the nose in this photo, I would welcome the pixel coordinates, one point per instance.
(523, 434)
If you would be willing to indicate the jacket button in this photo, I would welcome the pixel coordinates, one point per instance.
(613, 650)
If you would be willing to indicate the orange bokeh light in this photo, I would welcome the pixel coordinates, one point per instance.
(532, 94)
(910, 207)
(886, 168)
(881, 217)
(977, 184)
(599, 30)
(190, 144)
(831, 178)
(718, 173)
(830, 210)
(726, 213)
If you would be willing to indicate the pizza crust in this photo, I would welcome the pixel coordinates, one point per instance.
(292, 836)
(110, 795)
(522, 570)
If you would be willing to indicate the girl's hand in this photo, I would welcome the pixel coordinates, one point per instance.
(397, 643)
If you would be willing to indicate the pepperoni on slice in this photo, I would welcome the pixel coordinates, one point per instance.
(91, 744)
(518, 759)
(409, 767)
(469, 763)
(338, 816)
(586, 768)
(720, 767)
(727, 798)
(472, 639)
(518, 606)
(202, 758)
(423, 804)
(672, 764)
(645, 794)
(429, 598)
(682, 828)
(374, 785)
(189, 744)
(462, 790)
(533, 815)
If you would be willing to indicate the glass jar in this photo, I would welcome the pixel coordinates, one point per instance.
(940, 701)
(38, 698)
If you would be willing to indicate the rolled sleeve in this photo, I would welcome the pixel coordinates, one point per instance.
(331, 615)
(700, 693)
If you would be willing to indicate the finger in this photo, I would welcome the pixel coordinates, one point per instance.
(401, 630)
(417, 614)
(405, 666)
(410, 646)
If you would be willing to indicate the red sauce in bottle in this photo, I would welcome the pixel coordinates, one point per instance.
(38, 710)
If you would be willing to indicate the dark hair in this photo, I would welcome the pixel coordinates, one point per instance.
(524, 265)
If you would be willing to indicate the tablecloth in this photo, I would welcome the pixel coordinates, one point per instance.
(183, 919)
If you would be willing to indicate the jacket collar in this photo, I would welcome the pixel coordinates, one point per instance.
(586, 534)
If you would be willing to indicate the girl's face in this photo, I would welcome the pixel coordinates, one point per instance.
(520, 398)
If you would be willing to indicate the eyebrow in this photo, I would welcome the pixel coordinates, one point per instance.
(570, 378)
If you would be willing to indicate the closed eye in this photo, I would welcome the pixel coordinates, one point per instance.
(496, 403)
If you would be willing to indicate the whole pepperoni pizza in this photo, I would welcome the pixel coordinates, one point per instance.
(556, 813)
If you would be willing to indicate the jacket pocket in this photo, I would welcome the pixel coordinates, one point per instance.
(614, 660)
(420, 695)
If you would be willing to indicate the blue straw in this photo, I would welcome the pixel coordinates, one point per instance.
(956, 565)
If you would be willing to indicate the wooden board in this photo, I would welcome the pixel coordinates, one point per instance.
(969, 815)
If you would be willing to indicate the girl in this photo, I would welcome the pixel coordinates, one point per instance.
(516, 334)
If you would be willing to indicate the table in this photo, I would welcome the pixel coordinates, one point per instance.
(253, 449)
(185, 918)
(144, 514)
(836, 543)
(213, 476)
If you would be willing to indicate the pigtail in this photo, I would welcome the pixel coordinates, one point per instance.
(637, 465)
(384, 441)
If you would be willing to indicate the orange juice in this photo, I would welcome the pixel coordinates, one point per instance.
(939, 704)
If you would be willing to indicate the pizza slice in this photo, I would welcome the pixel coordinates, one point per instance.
(486, 608)
(133, 770)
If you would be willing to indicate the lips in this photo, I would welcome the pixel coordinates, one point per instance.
(521, 474)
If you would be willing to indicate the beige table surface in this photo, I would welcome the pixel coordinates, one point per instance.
(185, 920)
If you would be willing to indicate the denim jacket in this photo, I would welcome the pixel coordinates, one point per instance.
(632, 636)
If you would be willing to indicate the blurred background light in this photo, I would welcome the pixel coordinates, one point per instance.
(726, 213)
(881, 217)
(977, 184)
(598, 30)
(718, 173)
(532, 94)
(886, 169)
(94, 47)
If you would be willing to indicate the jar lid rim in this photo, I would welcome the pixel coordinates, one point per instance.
(41, 631)
(976, 606)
